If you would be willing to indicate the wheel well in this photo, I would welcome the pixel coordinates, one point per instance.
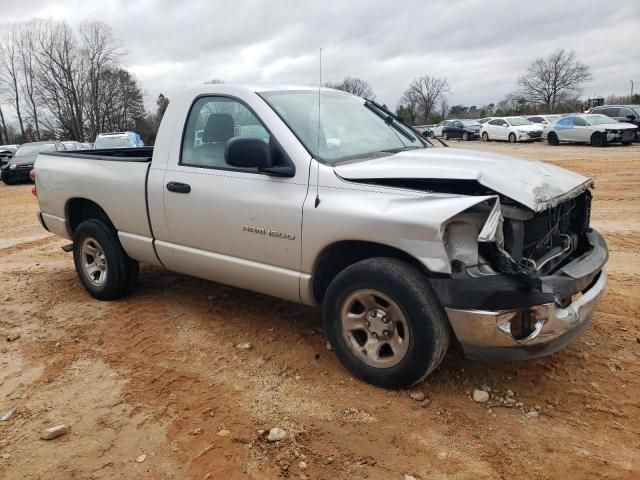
(81, 209)
(339, 256)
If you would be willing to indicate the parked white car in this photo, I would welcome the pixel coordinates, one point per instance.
(598, 130)
(512, 129)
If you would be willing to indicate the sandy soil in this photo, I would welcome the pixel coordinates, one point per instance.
(159, 374)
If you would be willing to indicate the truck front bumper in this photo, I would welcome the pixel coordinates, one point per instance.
(522, 323)
(488, 335)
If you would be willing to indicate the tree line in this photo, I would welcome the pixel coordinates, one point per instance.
(67, 83)
(550, 84)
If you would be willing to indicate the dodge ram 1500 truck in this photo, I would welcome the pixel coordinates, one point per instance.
(324, 198)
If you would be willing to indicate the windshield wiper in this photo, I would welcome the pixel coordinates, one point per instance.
(382, 111)
(388, 118)
(400, 149)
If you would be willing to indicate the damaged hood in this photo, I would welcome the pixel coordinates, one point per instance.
(534, 184)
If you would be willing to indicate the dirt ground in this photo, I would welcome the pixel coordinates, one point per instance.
(155, 387)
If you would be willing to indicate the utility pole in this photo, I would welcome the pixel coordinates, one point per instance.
(631, 89)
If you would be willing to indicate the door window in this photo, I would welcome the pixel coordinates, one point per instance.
(211, 123)
(580, 122)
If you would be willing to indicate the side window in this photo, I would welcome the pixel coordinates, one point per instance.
(566, 122)
(580, 122)
(212, 121)
(611, 112)
(503, 123)
(458, 124)
(625, 112)
(494, 122)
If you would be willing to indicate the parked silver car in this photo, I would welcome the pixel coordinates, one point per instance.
(598, 130)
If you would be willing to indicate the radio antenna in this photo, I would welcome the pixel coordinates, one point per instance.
(319, 127)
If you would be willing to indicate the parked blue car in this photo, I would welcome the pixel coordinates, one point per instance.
(118, 140)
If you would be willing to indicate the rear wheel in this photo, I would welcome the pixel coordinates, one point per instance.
(104, 268)
(597, 139)
(552, 138)
(626, 143)
(512, 138)
(485, 137)
(385, 323)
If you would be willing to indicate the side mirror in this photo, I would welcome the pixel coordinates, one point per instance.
(631, 117)
(247, 152)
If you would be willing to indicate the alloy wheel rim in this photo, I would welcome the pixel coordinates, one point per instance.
(94, 262)
(374, 328)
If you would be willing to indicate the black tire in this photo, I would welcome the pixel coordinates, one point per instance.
(626, 143)
(427, 324)
(465, 137)
(445, 136)
(7, 178)
(485, 137)
(597, 139)
(552, 139)
(121, 270)
(512, 138)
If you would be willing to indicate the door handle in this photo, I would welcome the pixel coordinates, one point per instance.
(178, 187)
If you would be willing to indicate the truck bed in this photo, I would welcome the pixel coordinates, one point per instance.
(139, 154)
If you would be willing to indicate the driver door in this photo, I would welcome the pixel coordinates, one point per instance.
(236, 226)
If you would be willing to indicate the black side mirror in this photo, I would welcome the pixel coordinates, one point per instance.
(247, 152)
(631, 117)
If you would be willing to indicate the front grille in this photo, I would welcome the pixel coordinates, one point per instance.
(536, 134)
(562, 225)
(627, 135)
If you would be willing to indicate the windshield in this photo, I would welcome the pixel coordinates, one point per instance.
(517, 121)
(113, 141)
(599, 119)
(351, 127)
(471, 123)
(30, 150)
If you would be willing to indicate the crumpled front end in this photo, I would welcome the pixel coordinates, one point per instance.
(529, 285)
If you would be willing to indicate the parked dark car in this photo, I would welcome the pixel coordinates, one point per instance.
(621, 113)
(464, 129)
(17, 169)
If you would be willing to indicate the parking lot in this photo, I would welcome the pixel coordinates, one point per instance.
(181, 379)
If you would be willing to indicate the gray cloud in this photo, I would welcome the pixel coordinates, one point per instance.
(481, 46)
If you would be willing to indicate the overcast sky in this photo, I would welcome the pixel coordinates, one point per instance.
(480, 46)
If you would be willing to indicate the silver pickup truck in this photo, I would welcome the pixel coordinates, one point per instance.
(400, 243)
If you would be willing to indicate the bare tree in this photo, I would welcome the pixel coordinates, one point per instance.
(555, 79)
(215, 81)
(423, 94)
(4, 136)
(62, 83)
(9, 68)
(354, 85)
(100, 52)
(27, 36)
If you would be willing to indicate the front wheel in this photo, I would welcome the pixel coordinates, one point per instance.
(512, 138)
(485, 137)
(7, 178)
(445, 136)
(552, 138)
(465, 136)
(104, 268)
(384, 322)
(597, 139)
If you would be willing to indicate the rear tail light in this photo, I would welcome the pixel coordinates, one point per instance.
(32, 176)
